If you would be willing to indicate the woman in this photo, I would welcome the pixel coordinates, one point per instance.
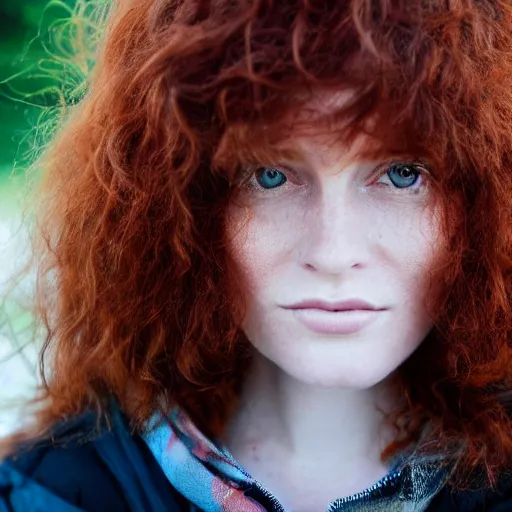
(275, 264)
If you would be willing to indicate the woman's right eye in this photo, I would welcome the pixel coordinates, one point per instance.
(269, 178)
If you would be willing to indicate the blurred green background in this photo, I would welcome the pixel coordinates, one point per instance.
(20, 52)
(40, 71)
(26, 85)
(47, 50)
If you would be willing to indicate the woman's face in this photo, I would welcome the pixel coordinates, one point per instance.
(335, 252)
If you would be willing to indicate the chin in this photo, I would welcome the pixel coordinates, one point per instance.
(345, 376)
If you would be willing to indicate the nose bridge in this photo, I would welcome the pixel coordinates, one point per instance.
(336, 236)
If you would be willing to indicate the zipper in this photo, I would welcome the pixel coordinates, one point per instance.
(383, 483)
(276, 506)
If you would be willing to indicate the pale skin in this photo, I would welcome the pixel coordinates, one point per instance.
(331, 226)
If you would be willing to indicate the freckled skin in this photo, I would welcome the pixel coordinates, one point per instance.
(336, 229)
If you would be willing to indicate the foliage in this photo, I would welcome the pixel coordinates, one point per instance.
(45, 58)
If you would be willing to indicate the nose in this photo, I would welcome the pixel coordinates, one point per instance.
(336, 236)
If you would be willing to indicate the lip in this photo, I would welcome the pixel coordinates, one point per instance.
(336, 322)
(343, 305)
(342, 317)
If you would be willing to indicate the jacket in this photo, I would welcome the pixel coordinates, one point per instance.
(86, 468)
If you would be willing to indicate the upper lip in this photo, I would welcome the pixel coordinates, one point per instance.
(342, 305)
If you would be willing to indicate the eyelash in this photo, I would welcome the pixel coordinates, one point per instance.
(249, 177)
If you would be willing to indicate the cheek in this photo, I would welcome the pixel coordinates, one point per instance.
(417, 253)
(259, 244)
(407, 242)
(409, 237)
(422, 249)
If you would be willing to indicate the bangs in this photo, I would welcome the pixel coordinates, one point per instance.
(423, 79)
(337, 119)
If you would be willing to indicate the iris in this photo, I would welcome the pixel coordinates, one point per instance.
(270, 178)
(403, 175)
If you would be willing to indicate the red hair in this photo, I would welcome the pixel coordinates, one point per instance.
(136, 286)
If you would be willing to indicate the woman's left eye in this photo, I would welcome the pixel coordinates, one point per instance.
(402, 176)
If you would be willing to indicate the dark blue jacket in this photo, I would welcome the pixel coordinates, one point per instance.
(86, 468)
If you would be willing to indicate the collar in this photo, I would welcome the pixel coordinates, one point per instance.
(208, 476)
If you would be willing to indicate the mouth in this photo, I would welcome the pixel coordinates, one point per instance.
(341, 317)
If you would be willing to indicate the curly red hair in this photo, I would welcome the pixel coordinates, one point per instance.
(136, 286)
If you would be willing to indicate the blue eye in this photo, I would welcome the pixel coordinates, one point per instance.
(268, 178)
(403, 175)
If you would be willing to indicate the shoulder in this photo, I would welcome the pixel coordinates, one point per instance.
(86, 466)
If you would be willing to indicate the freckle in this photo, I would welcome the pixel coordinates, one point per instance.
(255, 456)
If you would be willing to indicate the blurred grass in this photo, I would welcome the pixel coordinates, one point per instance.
(11, 192)
(20, 53)
(16, 55)
(29, 76)
(36, 78)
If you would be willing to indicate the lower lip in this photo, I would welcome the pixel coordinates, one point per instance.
(336, 322)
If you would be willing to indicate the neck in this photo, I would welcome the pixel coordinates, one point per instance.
(307, 423)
